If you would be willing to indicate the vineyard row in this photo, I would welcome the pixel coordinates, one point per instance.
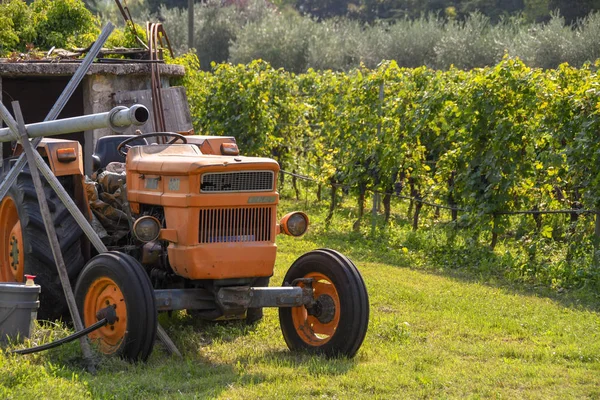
(494, 140)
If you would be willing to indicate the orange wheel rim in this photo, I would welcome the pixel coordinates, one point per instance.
(12, 255)
(104, 292)
(310, 329)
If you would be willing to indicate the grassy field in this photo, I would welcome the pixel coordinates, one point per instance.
(443, 324)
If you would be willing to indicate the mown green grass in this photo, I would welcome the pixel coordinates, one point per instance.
(446, 322)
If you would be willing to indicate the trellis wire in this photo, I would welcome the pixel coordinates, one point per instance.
(445, 207)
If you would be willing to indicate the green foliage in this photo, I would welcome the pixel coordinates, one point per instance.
(215, 27)
(46, 23)
(55, 23)
(472, 43)
(370, 10)
(62, 23)
(297, 43)
(126, 37)
(215, 30)
(155, 5)
(256, 30)
(16, 20)
(490, 140)
(8, 37)
(283, 41)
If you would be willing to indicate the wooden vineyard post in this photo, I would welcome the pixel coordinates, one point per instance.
(596, 238)
(51, 233)
(333, 203)
(418, 207)
(376, 198)
(494, 230)
(374, 212)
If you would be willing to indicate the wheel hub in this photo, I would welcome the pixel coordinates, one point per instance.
(316, 324)
(105, 293)
(324, 309)
(14, 253)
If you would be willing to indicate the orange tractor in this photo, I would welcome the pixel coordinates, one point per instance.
(189, 224)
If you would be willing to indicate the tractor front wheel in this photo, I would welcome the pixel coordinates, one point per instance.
(337, 323)
(118, 280)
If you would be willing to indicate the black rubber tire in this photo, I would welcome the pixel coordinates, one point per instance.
(138, 296)
(254, 315)
(38, 257)
(353, 298)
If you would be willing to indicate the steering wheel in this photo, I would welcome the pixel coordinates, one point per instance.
(125, 143)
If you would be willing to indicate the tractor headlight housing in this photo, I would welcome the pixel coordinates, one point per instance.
(146, 229)
(294, 223)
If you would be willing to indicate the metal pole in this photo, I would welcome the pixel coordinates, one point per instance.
(118, 119)
(190, 24)
(79, 218)
(11, 177)
(376, 194)
(596, 240)
(50, 231)
(80, 73)
(82, 221)
(58, 188)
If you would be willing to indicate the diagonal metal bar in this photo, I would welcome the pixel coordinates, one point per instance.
(50, 230)
(80, 73)
(11, 177)
(77, 215)
(58, 188)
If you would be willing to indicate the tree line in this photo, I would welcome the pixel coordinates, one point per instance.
(389, 10)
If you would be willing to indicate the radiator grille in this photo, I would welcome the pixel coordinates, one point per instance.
(241, 224)
(241, 181)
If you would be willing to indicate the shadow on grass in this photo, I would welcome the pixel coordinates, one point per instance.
(206, 376)
(205, 332)
(162, 376)
(315, 365)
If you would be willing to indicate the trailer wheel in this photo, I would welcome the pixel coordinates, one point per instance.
(24, 246)
(336, 325)
(118, 280)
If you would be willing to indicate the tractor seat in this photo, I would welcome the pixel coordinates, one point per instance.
(106, 150)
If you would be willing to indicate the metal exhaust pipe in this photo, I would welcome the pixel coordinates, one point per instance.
(118, 119)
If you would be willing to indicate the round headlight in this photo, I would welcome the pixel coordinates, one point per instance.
(146, 229)
(295, 223)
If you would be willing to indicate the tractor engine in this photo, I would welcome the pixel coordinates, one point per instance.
(217, 210)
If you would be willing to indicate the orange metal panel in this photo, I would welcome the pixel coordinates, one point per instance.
(178, 159)
(210, 144)
(214, 235)
(136, 193)
(50, 147)
(185, 222)
(223, 260)
(170, 235)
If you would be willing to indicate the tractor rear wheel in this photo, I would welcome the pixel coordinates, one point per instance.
(119, 280)
(337, 323)
(24, 246)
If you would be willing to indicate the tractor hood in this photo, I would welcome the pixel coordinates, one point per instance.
(187, 159)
